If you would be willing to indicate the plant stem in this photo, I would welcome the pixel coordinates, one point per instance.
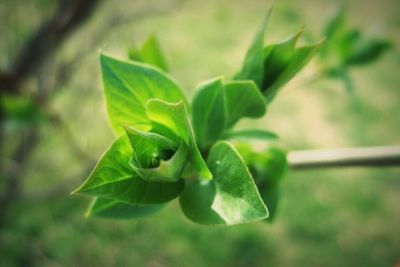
(345, 157)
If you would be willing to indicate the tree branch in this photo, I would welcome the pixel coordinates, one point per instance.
(345, 157)
(69, 15)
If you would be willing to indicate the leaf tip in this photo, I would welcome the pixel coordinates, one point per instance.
(266, 18)
(88, 214)
(206, 176)
(270, 10)
(76, 191)
(102, 54)
(300, 32)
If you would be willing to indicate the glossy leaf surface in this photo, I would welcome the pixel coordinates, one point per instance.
(209, 111)
(114, 178)
(128, 86)
(230, 198)
(174, 116)
(243, 99)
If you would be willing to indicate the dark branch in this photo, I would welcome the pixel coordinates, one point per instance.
(69, 14)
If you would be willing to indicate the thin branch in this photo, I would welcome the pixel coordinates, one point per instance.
(115, 21)
(345, 157)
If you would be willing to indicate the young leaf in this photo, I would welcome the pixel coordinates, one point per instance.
(114, 178)
(108, 208)
(128, 86)
(336, 24)
(150, 53)
(343, 75)
(273, 66)
(243, 99)
(253, 64)
(367, 51)
(301, 57)
(267, 168)
(270, 195)
(156, 158)
(168, 169)
(149, 148)
(209, 112)
(277, 56)
(174, 116)
(230, 198)
(347, 47)
(251, 134)
(269, 164)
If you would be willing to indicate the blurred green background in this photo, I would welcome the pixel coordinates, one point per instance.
(332, 217)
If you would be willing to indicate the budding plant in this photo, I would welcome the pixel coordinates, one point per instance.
(346, 48)
(168, 147)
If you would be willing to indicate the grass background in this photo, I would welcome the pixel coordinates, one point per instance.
(335, 217)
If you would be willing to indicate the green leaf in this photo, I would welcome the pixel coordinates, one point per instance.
(114, 178)
(149, 148)
(108, 208)
(368, 51)
(174, 116)
(128, 86)
(341, 40)
(301, 57)
(276, 58)
(346, 44)
(267, 168)
(273, 66)
(344, 76)
(209, 112)
(218, 106)
(168, 169)
(230, 198)
(272, 164)
(251, 134)
(150, 53)
(156, 158)
(243, 100)
(336, 24)
(270, 195)
(253, 64)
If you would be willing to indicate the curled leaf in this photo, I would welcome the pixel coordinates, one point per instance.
(128, 86)
(114, 178)
(174, 118)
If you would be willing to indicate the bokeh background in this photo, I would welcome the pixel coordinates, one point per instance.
(330, 217)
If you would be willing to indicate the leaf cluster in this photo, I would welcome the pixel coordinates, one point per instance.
(168, 147)
(347, 47)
